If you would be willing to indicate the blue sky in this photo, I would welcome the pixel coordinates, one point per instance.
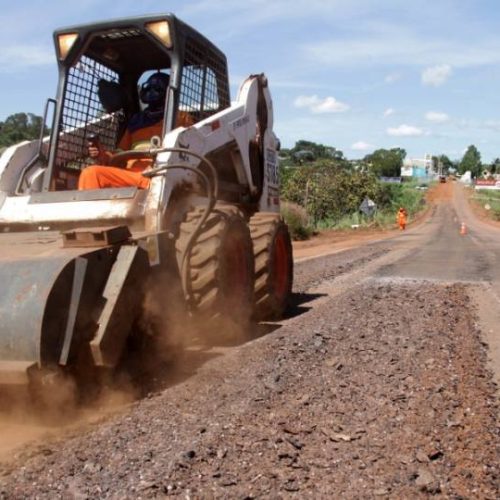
(354, 74)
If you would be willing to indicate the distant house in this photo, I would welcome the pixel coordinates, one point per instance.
(417, 167)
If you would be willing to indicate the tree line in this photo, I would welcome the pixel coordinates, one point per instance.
(385, 162)
(19, 127)
(382, 162)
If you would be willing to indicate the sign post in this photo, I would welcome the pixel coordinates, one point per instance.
(368, 207)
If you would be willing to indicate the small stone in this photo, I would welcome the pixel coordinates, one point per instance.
(229, 481)
(422, 457)
(291, 485)
(91, 468)
(435, 455)
(290, 430)
(424, 478)
(295, 443)
(336, 437)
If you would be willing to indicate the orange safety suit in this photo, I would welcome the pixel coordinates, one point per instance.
(401, 218)
(102, 176)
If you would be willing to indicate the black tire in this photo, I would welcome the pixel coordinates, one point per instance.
(220, 270)
(273, 265)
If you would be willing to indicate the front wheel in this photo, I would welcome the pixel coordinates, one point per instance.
(220, 271)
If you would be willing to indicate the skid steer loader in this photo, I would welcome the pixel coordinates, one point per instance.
(76, 265)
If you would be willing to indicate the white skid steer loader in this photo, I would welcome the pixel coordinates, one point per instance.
(76, 264)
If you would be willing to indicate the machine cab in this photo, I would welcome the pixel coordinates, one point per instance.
(101, 67)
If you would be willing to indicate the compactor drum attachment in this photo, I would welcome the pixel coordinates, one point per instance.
(80, 268)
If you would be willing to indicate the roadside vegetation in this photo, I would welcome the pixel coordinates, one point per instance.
(19, 127)
(489, 200)
(324, 190)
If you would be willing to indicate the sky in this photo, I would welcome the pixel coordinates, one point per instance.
(354, 74)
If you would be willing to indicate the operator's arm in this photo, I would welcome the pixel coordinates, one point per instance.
(97, 152)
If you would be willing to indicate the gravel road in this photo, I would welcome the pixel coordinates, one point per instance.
(377, 385)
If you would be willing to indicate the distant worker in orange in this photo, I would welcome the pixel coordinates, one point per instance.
(140, 129)
(401, 218)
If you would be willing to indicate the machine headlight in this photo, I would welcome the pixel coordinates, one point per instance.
(64, 44)
(161, 30)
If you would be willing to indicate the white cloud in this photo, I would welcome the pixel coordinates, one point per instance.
(388, 112)
(436, 117)
(436, 75)
(318, 106)
(392, 77)
(405, 131)
(17, 57)
(361, 146)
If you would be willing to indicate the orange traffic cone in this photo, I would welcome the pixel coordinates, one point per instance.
(463, 229)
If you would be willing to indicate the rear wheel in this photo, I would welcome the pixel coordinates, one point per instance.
(220, 271)
(273, 265)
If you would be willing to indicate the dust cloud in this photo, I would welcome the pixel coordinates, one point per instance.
(168, 346)
(38, 414)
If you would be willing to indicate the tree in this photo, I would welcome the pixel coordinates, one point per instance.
(495, 166)
(385, 162)
(446, 163)
(442, 164)
(20, 127)
(471, 161)
(306, 152)
(328, 192)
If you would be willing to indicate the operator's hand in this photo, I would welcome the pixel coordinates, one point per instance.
(94, 151)
(98, 154)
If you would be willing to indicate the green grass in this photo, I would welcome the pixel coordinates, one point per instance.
(489, 197)
(396, 195)
(400, 195)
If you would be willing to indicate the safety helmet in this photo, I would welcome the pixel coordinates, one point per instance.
(154, 89)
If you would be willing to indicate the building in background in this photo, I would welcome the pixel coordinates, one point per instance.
(418, 167)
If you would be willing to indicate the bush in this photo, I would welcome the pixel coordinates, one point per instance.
(329, 191)
(297, 219)
(331, 195)
(404, 195)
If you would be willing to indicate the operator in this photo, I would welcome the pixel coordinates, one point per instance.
(141, 128)
(401, 218)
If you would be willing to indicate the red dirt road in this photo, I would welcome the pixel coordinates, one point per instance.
(376, 385)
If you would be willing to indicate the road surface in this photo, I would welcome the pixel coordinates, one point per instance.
(379, 384)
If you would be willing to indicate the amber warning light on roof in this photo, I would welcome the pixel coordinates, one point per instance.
(64, 44)
(161, 30)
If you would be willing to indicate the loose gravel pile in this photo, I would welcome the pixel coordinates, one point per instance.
(379, 392)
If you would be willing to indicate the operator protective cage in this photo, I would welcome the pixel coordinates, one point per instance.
(113, 56)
